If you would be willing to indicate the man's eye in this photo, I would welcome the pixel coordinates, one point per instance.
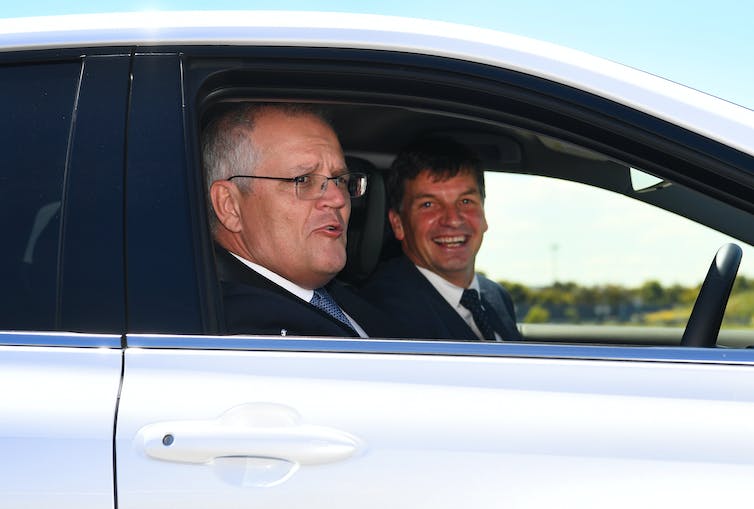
(425, 204)
(342, 181)
(303, 179)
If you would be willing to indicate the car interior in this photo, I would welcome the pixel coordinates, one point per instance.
(371, 135)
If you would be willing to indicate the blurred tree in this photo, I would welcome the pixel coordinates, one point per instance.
(649, 303)
(537, 314)
(520, 294)
(652, 294)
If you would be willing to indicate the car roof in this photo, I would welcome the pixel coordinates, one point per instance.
(701, 113)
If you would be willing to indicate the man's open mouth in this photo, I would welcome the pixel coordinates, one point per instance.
(332, 228)
(451, 241)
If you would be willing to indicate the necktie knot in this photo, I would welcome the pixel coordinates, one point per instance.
(324, 301)
(471, 301)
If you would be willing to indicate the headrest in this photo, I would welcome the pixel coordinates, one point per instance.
(366, 226)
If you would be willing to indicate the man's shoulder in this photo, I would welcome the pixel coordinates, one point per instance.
(490, 287)
(391, 272)
(342, 290)
(487, 283)
(374, 319)
(396, 264)
(394, 279)
(237, 279)
(398, 286)
(497, 296)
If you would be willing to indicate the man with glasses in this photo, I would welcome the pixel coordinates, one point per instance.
(281, 194)
(436, 193)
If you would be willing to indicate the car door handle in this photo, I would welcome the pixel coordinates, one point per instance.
(278, 434)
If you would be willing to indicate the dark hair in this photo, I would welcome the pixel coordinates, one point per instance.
(444, 158)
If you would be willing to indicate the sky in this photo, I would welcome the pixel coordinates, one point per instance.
(704, 45)
(552, 230)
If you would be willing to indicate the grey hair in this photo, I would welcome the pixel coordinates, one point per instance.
(228, 146)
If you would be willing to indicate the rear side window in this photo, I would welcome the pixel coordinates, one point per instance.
(37, 108)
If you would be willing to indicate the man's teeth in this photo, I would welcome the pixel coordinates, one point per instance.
(450, 241)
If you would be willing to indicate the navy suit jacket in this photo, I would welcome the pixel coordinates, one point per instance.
(255, 305)
(401, 290)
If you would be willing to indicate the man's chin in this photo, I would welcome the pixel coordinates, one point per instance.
(459, 262)
(332, 266)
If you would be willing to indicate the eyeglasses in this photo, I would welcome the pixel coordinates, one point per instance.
(312, 186)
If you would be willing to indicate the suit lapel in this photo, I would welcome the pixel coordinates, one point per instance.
(499, 315)
(456, 326)
(493, 314)
(231, 269)
(351, 304)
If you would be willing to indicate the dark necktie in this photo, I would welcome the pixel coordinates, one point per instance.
(326, 303)
(470, 300)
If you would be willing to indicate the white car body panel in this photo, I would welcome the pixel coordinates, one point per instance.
(56, 426)
(440, 431)
(202, 426)
(694, 110)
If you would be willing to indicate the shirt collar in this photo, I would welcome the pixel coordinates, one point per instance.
(302, 293)
(448, 290)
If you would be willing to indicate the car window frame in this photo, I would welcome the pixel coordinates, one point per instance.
(459, 88)
(90, 275)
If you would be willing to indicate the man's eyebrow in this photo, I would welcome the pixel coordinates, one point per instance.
(470, 190)
(304, 169)
(422, 196)
(301, 169)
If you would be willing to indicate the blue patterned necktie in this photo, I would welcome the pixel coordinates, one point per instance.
(471, 301)
(326, 303)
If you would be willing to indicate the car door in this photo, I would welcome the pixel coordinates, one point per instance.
(214, 421)
(335, 423)
(62, 286)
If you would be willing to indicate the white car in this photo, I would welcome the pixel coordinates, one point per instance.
(120, 390)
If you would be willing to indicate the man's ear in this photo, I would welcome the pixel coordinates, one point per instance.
(396, 224)
(484, 225)
(226, 202)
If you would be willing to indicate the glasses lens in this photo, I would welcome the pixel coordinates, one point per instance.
(310, 187)
(313, 186)
(357, 184)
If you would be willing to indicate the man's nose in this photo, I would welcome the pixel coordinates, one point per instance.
(451, 216)
(334, 196)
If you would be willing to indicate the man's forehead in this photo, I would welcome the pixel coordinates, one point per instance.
(443, 174)
(270, 118)
(316, 164)
(304, 139)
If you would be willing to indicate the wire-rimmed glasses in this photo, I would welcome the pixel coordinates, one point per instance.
(312, 186)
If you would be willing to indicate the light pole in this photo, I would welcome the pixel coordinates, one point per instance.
(554, 250)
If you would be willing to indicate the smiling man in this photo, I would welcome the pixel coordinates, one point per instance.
(280, 196)
(436, 193)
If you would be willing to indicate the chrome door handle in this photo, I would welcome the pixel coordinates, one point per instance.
(251, 431)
